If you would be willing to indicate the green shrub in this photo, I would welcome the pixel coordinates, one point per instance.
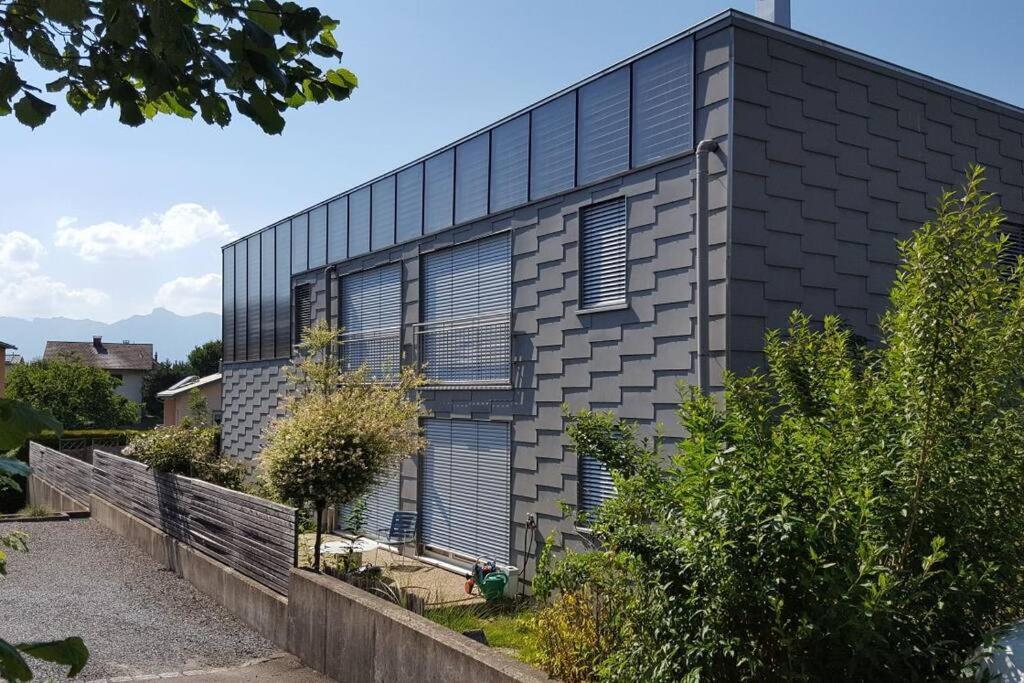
(853, 514)
(187, 450)
(77, 395)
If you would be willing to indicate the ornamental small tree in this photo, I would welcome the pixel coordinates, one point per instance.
(341, 431)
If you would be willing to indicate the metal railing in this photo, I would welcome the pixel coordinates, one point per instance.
(468, 351)
(380, 350)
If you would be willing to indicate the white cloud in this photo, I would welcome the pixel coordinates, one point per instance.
(179, 227)
(27, 294)
(191, 295)
(19, 253)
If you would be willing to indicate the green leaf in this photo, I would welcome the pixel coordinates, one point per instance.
(12, 665)
(32, 111)
(10, 82)
(264, 112)
(259, 12)
(67, 12)
(20, 422)
(70, 652)
(58, 85)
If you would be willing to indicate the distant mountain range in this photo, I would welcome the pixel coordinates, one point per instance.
(171, 335)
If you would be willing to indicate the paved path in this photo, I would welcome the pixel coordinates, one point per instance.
(137, 619)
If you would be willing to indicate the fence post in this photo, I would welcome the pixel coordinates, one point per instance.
(295, 559)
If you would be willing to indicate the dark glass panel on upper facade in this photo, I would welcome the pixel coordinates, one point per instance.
(472, 159)
(318, 237)
(663, 103)
(553, 146)
(228, 304)
(282, 287)
(267, 309)
(604, 127)
(359, 222)
(253, 288)
(410, 203)
(510, 163)
(383, 229)
(337, 230)
(439, 191)
(300, 243)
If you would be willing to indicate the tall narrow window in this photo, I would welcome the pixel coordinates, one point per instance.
(371, 315)
(603, 254)
(465, 334)
(303, 310)
(596, 485)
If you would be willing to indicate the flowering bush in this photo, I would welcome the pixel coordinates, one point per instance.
(341, 431)
(187, 450)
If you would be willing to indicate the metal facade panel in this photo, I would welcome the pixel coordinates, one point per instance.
(300, 243)
(553, 147)
(472, 159)
(596, 484)
(464, 504)
(510, 163)
(663, 103)
(283, 285)
(603, 254)
(382, 233)
(603, 145)
(241, 307)
(359, 222)
(253, 298)
(267, 292)
(439, 191)
(228, 304)
(409, 217)
(337, 230)
(318, 237)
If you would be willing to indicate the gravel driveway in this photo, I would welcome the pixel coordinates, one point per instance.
(136, 618)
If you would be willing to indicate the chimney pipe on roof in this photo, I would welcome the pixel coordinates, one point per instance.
(97, 343)
(776, 11)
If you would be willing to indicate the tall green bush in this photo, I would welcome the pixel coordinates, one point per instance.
(852, 513)
(77, 395)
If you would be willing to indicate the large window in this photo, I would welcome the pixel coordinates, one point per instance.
(465, 490)
(464, 338)
(603, 254)
(371, 315)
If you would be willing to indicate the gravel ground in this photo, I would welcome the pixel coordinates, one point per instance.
(80, 579)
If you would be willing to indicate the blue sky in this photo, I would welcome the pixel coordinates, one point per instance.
(103, 221)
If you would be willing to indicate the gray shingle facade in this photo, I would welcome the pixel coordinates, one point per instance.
(825, 158)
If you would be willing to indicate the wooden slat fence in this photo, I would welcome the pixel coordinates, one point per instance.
(69, 475)
(249, 534)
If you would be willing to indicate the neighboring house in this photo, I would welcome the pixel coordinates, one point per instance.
(4, 348)
(127, 362)
(176, 398)
(642, 228)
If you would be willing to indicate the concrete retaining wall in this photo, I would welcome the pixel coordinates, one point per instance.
(259, 607)
(44, 494)
(351, 635)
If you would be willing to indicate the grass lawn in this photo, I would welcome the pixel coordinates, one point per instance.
(508, 625)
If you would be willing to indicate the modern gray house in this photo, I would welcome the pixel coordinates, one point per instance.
(641, 228)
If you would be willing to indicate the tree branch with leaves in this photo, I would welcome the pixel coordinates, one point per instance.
(179, 57)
